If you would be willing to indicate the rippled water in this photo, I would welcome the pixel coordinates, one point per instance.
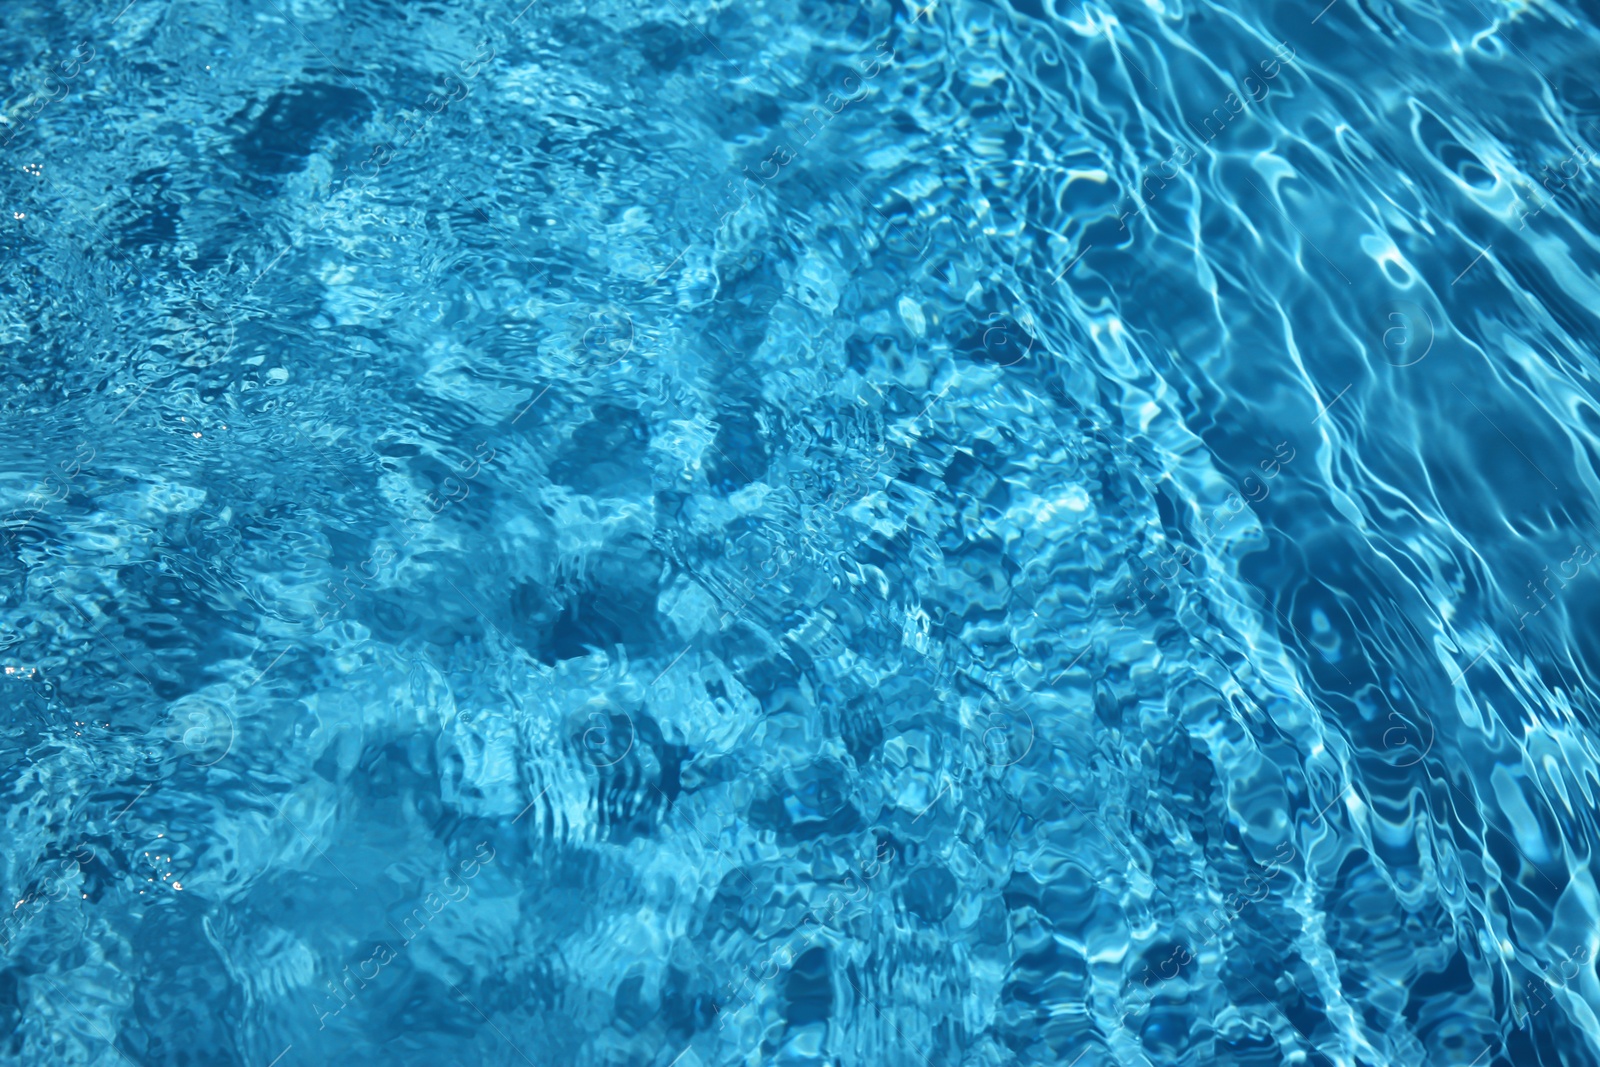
(694, 534)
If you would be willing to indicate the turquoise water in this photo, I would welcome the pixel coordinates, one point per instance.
(709, 534)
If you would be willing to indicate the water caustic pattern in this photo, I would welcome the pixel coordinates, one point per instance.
(799, 533)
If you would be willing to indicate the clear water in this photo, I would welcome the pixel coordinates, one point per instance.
(705, 534)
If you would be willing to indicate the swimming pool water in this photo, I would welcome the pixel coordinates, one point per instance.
(688, 534)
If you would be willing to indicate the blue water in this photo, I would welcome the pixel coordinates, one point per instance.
(684, 534)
